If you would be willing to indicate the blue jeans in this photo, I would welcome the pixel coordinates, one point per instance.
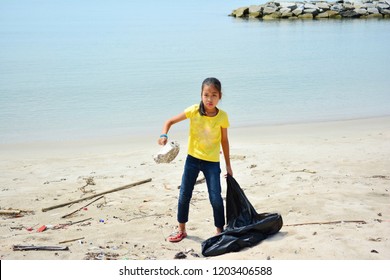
(212, 173)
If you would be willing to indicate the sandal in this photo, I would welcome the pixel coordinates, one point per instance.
(179, 236)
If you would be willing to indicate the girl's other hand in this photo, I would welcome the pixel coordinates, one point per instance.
(229, 171)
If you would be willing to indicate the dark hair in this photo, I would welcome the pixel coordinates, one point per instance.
(208, 82)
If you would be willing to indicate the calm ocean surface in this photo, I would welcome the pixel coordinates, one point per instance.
(78, 69)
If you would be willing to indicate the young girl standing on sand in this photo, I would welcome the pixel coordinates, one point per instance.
(208, 131)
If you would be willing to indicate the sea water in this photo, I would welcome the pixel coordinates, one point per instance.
(78, 69)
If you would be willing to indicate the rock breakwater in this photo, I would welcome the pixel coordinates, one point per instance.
(316, 10)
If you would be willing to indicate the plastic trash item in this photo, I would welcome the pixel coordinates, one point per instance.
(245, 227)
(167, 153)
(42, 228)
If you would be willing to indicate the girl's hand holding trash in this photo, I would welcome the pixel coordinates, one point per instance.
(162, 140)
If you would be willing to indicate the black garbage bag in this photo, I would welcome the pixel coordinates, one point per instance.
(245, 227)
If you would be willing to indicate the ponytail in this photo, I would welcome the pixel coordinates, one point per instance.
(202, 111)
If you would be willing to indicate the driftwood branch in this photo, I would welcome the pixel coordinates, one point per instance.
(98, 194)
(326, 223)
(39, 248)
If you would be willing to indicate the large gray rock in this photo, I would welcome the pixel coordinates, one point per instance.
(310, 6)
(287, 15)
(348, 6)
(374, 16)
(324, 6)
(240, 12)
(269, 10)
(306, 16)
(349, 14)
(323, 15)
(297, 11)
(334, 14)
(275, 15)
(311, 11)
(337, 7)
(373, 11)
(383, 6)
(290, 5)
(285, 10)
(272, 4)
(361, 11)
(358, 5)
(255, 9)
(369, 5)
(385, 11)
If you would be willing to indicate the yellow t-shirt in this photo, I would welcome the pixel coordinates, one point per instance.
(204, 141)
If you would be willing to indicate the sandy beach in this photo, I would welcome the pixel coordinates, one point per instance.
(330, 182)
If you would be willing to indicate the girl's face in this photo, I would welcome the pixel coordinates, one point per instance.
(210, 97)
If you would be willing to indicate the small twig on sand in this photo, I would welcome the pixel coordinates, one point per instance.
(71, 240)
(70, 214)
(70, 223)
(145, 216)
(304, 170)
(73, 223)
(381, 177)
(326, 223)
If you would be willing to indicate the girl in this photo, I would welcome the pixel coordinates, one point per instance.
(208, 131)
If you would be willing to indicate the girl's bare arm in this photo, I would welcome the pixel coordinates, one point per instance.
(167, 125)
(226, 150)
